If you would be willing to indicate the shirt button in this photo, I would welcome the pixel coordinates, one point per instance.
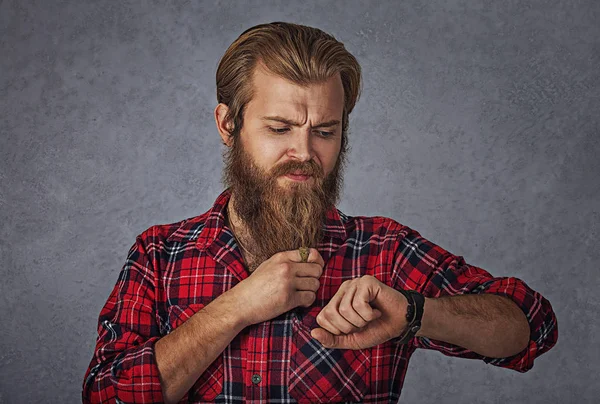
(256, 379)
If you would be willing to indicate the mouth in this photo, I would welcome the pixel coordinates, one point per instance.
(298, 176)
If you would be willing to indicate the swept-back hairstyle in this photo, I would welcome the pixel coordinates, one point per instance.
(300, 54)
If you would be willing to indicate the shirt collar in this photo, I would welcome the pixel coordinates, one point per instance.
(334, 226)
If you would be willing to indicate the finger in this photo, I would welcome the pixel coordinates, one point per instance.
(326, 325)
(313, 256)
(331, 306)
(322, 317)
(307, 283)
(332, 319)
(347, 310)
(329, 340)
(331, 311)
(334, 303)
(304, 298)
(313, 270)
(326, 338)
(361, 305)
(339, 322)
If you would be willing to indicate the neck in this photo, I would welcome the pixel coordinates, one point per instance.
(240, 231)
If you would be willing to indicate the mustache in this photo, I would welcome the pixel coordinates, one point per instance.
(305, 168)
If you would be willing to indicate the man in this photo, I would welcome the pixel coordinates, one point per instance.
(273, 295)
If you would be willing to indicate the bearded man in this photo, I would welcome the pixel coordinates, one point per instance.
(274, 295)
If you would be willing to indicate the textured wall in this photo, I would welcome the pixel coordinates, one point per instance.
(478, 126)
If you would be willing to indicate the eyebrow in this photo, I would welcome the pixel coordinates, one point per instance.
(276, 118)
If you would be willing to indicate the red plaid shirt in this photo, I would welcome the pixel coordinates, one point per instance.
(174, 270)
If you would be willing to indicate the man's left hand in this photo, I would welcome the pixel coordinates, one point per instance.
(363, 313)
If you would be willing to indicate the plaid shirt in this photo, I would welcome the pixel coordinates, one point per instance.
(174, 270)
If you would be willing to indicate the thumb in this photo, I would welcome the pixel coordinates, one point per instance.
(327, 339)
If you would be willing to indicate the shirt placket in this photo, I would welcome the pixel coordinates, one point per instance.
(257, 372)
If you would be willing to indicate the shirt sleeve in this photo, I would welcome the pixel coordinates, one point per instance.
(438, 273)
(123, 368)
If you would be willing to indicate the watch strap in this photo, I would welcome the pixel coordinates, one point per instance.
(414, 315)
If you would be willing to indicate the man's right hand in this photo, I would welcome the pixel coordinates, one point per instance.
(279, 284)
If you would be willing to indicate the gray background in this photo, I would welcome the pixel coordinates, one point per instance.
(478, 126)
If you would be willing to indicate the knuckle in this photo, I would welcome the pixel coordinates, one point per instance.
(285, 267)
(319, 272)
(344, 311)
(310, 299)
(368, 278)
(319, 318)
(358, 304)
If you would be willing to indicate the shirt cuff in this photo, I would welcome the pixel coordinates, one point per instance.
(135, 374)
(540, 316)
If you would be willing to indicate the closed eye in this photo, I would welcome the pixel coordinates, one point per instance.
(279, 130)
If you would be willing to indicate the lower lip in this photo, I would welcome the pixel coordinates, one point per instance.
(298, 177)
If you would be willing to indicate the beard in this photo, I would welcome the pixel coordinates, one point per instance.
(279, 218)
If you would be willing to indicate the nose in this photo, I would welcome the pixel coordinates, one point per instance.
(301, 146)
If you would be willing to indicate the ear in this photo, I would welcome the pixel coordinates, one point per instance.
(223, 126)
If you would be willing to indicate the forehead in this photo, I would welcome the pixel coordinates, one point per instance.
(273, 94)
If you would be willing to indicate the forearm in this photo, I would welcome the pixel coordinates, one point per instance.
(487, 324)
(183, 355)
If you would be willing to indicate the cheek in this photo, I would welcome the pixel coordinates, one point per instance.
(267, 154)
(327, 156)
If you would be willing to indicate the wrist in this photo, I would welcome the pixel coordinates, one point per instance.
(228, 307)
(427, 322)
(400, 319)
(415, 303)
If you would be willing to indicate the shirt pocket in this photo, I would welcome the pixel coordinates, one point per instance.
(210, 384)
(323, 375)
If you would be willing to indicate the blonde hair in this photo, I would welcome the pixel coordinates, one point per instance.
(300, 54)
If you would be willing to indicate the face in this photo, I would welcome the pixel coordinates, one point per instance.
(284, 170)
(285, 122)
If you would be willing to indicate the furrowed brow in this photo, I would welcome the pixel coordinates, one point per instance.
(280, 119)
(327, 124)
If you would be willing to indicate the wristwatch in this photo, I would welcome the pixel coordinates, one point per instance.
(414, 314)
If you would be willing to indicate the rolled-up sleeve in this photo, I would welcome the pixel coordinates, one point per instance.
(445, 274)
(123, 367)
